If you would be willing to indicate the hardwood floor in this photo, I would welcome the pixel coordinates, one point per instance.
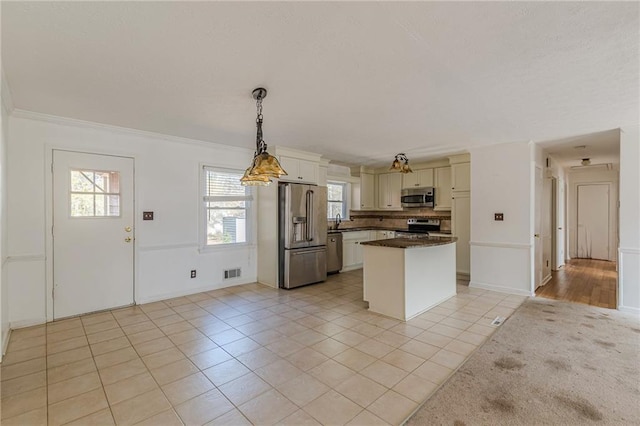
(588, 281)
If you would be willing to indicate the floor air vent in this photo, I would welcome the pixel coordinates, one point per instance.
(231, 273)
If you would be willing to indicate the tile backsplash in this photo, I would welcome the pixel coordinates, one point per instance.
(392, 219)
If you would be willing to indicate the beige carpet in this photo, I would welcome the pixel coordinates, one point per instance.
(551, 363)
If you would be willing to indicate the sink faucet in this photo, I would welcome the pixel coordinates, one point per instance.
(338, 220)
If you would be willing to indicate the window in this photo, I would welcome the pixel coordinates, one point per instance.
(94, 193)
(336, 199)
(226, 207)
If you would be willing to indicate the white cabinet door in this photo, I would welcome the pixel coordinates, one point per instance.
(367, 191)
(348, 254)
(418, 179)
(389, 189)
(443, 188)
(298, 170)
(461, 228)
(461, 177)
(308, 171)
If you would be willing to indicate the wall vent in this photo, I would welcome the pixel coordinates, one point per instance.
(231, 273)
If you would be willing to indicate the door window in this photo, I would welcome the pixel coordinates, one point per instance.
(95, 193)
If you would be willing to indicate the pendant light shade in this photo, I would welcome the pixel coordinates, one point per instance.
(264, 165)
(401, 164)
(268, 165)
(254, 180)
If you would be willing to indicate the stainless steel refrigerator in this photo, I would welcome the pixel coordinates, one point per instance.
(302, 230)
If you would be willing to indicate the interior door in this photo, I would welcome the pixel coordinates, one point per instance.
(593, 221)
(538, 228)
(547, 226)
(93, 235)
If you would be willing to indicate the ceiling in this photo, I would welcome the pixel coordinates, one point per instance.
(354, 81)
(599, 148)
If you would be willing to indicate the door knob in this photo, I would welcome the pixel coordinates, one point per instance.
(536, 235)
(128, 229)
(127, 240)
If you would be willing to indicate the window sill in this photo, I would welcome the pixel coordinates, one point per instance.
(223, 247)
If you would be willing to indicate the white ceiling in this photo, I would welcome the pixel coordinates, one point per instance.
(599, 148)
(356, 82)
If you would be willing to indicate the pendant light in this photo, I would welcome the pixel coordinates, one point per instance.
(264, 166)
(401, 164)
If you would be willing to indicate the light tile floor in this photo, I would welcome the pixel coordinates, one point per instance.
(243, 355)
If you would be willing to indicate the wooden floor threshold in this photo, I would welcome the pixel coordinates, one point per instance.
(587, 281)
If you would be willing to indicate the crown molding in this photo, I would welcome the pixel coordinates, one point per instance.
(7, 99)
(73, 122)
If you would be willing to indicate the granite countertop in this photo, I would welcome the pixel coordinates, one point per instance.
(372, 228)
(362, 228)
(406, 243)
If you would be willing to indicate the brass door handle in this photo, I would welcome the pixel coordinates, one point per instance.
(536, 235)
(127, 240)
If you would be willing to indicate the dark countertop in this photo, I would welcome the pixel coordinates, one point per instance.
(406, 243)
(371, 228)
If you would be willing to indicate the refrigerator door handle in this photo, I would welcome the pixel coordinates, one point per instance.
(310, 223)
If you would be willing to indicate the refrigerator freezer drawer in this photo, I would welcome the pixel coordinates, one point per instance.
(304, 266)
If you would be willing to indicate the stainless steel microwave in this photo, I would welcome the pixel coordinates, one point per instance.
(418, 197)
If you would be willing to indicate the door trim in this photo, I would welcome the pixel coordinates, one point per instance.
(48, 228)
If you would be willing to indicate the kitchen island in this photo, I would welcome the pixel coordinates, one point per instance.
(404, 277)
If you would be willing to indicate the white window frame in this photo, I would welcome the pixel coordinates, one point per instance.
(250, 213)
(346, 191)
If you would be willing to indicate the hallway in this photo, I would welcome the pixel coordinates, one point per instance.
(588, 281)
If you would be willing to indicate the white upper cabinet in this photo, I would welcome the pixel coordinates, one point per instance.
(443, 188)
(461, 177)
(299, 170)
(418, 179)
(461, 228)
(389, 189)
(367, 192)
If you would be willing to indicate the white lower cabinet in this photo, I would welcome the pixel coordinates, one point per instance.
(352, 250)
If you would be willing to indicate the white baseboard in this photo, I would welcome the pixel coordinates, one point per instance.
(629, 310)
(351, 268)
(508, 290)
(14, 325)
(5, 342)
(165, 296)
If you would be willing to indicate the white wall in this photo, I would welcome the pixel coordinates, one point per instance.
(167, 174)
(629, 251)
(587, 176)
(501, 251)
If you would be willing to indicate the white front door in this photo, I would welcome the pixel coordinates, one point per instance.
(93, 235)
(593, 221)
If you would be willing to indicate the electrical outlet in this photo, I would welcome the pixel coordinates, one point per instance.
(147, 215)
(193, 273)
(498, 216)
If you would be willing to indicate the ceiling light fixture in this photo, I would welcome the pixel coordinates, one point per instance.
(586, 161)
(401, 164)
(264, 166)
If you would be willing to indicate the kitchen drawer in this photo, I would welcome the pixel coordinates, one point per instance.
(356, 235)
